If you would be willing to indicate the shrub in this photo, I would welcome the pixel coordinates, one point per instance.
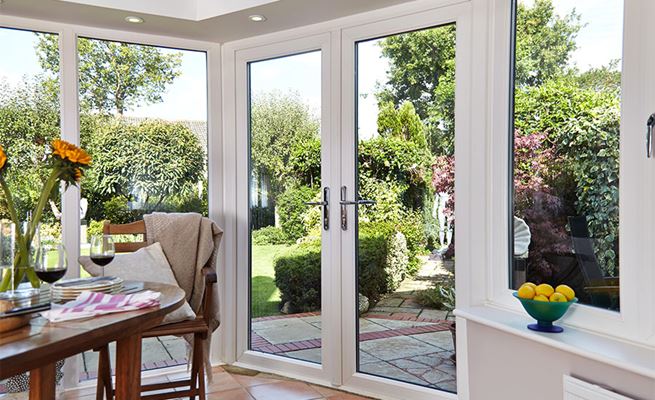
(382, 264)
(117, 210)
(268, 235)
(397, 260)
(298, 276)
(292, 209)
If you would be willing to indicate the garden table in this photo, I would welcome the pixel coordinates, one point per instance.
(39, 345)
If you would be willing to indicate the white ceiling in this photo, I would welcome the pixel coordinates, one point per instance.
(212, 20)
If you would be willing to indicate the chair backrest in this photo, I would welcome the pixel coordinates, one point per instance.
(133, 228)
(584, 249)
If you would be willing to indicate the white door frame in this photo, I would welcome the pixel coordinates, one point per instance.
(460, 15)
(330, 327)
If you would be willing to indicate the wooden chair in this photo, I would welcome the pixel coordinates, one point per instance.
(197, 327)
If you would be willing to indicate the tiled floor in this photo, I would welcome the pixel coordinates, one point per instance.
(238, 384)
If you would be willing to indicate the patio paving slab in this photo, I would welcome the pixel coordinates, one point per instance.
(397, 347)
(443, 339)
(386, 370)
(397, 324)
(370, 325)
(286, 330)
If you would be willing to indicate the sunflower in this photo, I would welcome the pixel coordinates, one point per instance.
(68, 151)
(3, 158)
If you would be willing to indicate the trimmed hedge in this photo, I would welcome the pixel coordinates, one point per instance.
(268, 235)
(383, 262)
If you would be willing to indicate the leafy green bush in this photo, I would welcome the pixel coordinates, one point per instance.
(383, 261)
(298, 276)
(117, 210)
(292, 210)
(268, 235)
(261, 217)
(95, 228)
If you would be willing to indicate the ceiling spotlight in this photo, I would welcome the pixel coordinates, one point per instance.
(134, 20)
(257, 18)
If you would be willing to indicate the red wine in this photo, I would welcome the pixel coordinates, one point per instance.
(102, 260)
(51, 275)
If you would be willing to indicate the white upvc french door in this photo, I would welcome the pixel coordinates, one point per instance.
(447, 15)
(337, 45)
(249, 66)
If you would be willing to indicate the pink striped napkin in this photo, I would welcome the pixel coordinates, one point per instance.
(90, 304)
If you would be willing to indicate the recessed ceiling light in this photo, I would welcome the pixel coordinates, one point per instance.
(134, 20)
(257, 18)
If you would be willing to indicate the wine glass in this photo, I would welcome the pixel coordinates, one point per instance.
(50, 262)
(7, 254)
(102, 250)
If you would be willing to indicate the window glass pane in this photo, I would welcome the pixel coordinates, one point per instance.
(143, 119)
(567, 98)
(405, 247)
(29, 121)
(285, 232)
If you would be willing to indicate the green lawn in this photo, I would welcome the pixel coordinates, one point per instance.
(265, 295)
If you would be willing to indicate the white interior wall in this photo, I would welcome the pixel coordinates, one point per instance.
(503, 366)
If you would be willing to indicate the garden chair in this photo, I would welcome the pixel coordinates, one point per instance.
(603, 290)
(197, 327)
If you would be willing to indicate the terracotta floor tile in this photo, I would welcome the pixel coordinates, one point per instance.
(324, 391)
(248, 381)
(222, 381)
(234, 394)
(284, 390)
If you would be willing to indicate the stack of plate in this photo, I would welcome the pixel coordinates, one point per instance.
(70, 289)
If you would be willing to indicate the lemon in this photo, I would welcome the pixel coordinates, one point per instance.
(540, 297)
(566, 291)
(558, 298)
(545, 290)
(526, 292)
(532, 285)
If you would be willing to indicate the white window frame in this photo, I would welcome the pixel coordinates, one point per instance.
(635, 322)
(69, 128)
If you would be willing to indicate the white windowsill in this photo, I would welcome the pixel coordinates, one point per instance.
(627, 356)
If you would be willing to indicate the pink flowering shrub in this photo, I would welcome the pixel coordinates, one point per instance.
(538, 203)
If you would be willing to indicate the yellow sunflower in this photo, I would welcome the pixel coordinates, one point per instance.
(3, 158)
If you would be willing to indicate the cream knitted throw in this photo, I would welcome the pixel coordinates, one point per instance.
(190, 242)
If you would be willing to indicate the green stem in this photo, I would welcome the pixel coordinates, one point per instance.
(38, 210)
(9, 200)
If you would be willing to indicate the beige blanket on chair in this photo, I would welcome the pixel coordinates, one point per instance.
(190, 242)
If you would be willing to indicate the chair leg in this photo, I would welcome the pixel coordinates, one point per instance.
(104, 375)
(198, 368)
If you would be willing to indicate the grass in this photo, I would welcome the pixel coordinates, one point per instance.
(265, 295)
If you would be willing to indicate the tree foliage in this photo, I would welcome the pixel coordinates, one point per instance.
(281, 124)
(115, 77)
(151, 162)
(544, 42)
(29, 118)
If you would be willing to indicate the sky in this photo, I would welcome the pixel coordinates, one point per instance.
(599, 42)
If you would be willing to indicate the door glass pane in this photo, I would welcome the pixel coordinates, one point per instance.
(285, 232)
(29, 122)
(143, 119)
(567, 103)
(406, 259)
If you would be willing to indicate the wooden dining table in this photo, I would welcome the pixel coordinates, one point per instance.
(38, 346)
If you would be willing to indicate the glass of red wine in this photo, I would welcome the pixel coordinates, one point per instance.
(51, 262)
(102, 250)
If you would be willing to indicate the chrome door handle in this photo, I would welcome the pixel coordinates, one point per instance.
(358, 202)
(649, 135)
(326, 207)
(344, 203)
